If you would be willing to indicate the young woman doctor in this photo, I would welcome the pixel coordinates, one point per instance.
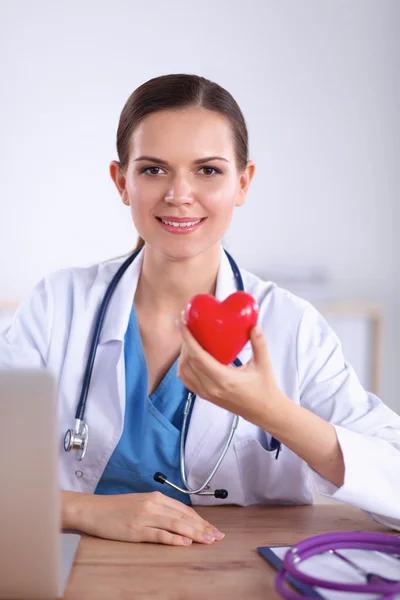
(183, 168)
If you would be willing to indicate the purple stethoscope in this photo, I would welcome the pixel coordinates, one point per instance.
(388, 589)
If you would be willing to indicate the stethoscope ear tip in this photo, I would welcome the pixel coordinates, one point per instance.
(223, 494)
(159, 477)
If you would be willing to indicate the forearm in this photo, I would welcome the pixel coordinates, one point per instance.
(312, 438)
(73, 506)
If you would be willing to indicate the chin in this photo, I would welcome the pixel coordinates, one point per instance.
(185, 251)
(181, 255)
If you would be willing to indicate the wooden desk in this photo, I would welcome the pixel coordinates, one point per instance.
(230, 569)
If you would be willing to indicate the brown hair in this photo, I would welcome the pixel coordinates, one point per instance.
(179, 91)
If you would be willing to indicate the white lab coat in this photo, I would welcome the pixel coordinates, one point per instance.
(53, 329)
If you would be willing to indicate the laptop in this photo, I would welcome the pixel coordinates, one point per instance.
(35, 558)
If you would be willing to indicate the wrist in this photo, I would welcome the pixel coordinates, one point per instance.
(74, 509)
(275, 413)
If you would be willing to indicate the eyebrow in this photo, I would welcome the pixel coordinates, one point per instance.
(198, 161)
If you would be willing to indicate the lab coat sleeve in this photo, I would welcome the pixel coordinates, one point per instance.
(25, 344)
(367, 430)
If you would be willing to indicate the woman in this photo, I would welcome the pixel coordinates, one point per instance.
(305, 422)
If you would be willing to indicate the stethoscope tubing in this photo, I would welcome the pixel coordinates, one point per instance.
(80, 411)
(335, 541)
(202, 489)
(77, 439)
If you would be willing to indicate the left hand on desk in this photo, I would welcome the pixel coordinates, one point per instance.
(250, 391)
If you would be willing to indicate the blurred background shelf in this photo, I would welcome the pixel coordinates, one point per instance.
(359, 328)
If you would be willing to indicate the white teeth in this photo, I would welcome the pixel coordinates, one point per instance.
(175, 224)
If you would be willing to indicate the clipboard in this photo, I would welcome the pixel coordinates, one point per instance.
(270, 556)
(333, 569)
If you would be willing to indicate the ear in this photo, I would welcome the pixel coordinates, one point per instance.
(118, 177)
(245, 179)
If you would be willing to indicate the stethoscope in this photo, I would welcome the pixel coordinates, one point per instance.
(330, 543)
(77, 438)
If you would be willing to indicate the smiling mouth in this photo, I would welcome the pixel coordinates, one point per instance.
(181, 224)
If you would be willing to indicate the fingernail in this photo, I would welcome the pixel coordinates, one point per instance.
(218, 534)
(187, 541)
(183, 316)
(208, 538)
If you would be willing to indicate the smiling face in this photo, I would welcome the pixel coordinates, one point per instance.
(182, 181)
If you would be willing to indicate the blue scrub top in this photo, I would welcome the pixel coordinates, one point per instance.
(151, 436)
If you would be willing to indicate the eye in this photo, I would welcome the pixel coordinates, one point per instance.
(210, 171)
(152, 171)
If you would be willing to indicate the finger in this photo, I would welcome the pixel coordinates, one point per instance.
(184, 528)
(190, 340)
(164, 500)
(185, 512)
(161, 536)
(196, 353)
(212, 385)
(167, 511)
(259, 346)
(198, 382)
(188, 376)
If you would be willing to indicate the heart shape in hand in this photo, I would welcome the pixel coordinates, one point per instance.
(222, 328)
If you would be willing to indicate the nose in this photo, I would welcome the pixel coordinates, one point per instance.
(180, 192)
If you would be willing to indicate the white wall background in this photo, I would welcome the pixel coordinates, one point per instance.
(318, 82)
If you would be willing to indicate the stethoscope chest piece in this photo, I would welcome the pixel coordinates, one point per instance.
(77, 438)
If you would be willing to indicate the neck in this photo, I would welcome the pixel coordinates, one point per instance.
(166, 285)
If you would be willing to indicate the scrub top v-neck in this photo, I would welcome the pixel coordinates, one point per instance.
(151, 435)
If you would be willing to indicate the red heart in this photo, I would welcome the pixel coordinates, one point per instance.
(222, 328)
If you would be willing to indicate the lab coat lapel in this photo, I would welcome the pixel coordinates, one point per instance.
(119, 309)
(107, 394)
(207, 419)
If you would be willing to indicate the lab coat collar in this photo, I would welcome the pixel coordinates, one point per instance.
(226, 284)
(120, 307)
